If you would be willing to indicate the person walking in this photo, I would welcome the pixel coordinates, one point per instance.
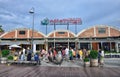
(37, 59)
(50, 56)
(70, 54)
(22, 57)
(84, 53)
(99, 56)
(81, 54)
(29, 56)
(67, 54)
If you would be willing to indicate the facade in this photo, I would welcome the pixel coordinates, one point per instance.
(97, 37)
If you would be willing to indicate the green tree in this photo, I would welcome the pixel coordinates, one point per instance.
(5, 53)
(1, 30)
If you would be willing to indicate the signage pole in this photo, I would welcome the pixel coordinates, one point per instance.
(46, 29)
(45, 22)
(76, 28)
(54, 34)
(68, 33)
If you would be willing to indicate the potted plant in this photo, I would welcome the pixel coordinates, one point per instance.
(10, 57)
(86, 62)
(93, 58)
(5, 53)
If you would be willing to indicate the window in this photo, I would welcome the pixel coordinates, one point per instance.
(101, 30)
(22, 32)
(61, 32)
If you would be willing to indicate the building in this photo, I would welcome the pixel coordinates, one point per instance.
(96, 37)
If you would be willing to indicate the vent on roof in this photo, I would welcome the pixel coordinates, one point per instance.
(22, 32)
(61, 32)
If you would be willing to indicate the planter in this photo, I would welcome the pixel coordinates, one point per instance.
(101, 61)
(86, 64)
(3, 60)
(93, 62)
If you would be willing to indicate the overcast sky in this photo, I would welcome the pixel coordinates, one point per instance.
(15, 13)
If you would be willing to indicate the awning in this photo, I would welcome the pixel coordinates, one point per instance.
(38, 42)
(14, 46)
(8, 43)
(21, 42)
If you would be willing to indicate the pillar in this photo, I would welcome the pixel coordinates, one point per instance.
(46, 44)
(110, 47)
(91, 45)
(34, 48)
(117, 48)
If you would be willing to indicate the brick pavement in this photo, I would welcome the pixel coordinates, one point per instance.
(66, 69)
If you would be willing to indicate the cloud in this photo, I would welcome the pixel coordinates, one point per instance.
(16, 13)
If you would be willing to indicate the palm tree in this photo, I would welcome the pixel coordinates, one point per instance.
(1, 30)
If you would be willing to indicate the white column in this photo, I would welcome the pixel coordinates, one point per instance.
(110, 46)
(28, 34)
(68, 43)
(78, 44)
(116, 43)
(34, 48)
(108, 31)
(54, 39)
(15, 33)
(46, 44)
(91, 45)
(118, 47)
(68, 39)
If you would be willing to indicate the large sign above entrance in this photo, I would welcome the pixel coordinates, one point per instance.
(70, 21)
(66, 21)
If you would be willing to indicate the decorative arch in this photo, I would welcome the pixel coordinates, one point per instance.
(27, 33)
(93, 31)
(61, 34)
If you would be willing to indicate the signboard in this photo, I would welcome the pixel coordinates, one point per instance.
(67, 21)
(45, 21)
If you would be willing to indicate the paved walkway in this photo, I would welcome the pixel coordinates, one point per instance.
(48, 71)
(108, 62)
(111, 68)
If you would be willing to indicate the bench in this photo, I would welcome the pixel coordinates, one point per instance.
(22, 62)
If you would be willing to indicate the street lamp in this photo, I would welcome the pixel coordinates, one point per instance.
(32, 12)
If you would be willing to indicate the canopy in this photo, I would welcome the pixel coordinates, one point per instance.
(14, 46)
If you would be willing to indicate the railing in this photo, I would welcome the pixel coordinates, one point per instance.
(112, 55)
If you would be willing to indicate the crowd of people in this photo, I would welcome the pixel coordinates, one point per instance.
(67, 54)
(55, 55)
(26, 55)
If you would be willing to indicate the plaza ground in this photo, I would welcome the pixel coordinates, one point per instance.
(111, 68)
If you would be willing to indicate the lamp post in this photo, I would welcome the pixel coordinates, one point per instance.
(32, 12)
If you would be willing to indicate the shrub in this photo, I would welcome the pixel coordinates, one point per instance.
(10, 57)
(5, 53)
(86, 60)
(93, 54)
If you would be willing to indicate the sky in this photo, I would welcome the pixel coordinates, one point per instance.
(15, 14)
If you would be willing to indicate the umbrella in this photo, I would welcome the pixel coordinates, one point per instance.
(14, 46)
